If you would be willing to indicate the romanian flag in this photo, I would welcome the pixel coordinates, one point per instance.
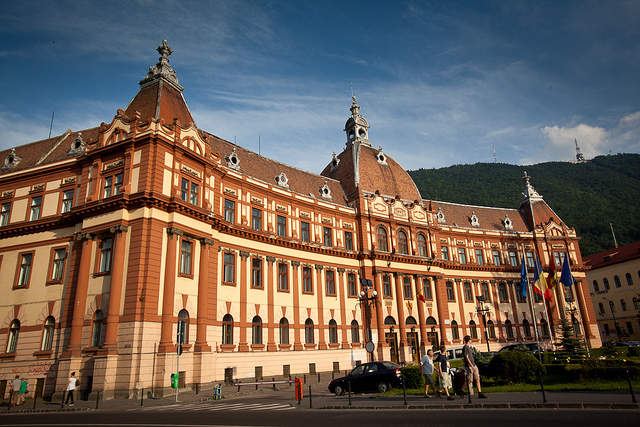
(567, 278)
(421, 296)
(540, 282)
(552, 279)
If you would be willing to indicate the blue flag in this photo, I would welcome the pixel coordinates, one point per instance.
(566, 278)
(523, 280)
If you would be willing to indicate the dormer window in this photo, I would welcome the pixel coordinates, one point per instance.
(325, 191)
(380, 157)
(440, 216)
(233, 161)
(78, 146)
(474, 220)
(334, 162)
(12, 160)
(282, 180)
(507, 223)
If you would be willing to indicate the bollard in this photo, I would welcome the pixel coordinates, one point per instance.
(239, 386)
(469, 388)
(35, 398)
(217, 391)
(404, 391)
(197, 388)
(97, 398)
(310, 399)
(142, 398)
(318, 376)
(544, 396)
(62, 402)
(633, 396)
(349, 390)
(305, 378)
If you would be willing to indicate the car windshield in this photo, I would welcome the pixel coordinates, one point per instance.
(390, 365)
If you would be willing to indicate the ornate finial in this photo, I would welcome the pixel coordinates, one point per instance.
(162, 69)
(529, 192)
(164, 51)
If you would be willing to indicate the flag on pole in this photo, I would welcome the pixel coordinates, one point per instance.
(523, 279)
(552, 279)
(421, 296)
(567, 278)
(540, 282)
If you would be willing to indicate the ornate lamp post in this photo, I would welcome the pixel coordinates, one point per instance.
(366, 302)
(482, 311)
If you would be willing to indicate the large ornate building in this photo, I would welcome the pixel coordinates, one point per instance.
(114, 238)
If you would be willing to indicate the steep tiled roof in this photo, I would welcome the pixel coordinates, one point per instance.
(613, 256)
(388, 177)
(256, 166)
(160, 101)
(488, 218)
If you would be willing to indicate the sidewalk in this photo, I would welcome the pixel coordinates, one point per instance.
(322, 399)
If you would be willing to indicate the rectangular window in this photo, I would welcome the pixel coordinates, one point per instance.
(307, 280)
(327, 236)
(484, 289)
(558, 257)
(386, 286)
(256, 273)
(58, 263)
(229, 267)
(36, 206)
(406, 287)
(502, 292)
(450, 294)
(352, 287)
(530, 262)
(104, 262)
(479, 257)
(283, 277)
(444, 250)
(24, 273)
(330, 278)
(67, 201)
(348, 240)
(304, 231)
(519, 296)
(629, 328)
(5, 211)
(513, 258)
(496, 257)
(462, 255)
(426, 285)
(186, 249)
(112, 185)
(189, 191)
(229, 211)
(256, 219)
(537, 297)
(468, 296)
(282, 226)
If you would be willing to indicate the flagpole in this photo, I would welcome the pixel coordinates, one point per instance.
(533, 312)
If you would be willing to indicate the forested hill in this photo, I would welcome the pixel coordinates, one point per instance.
(587, 196)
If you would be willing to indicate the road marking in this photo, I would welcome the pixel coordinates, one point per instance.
(209, 406)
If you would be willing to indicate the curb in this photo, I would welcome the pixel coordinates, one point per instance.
(606, 406)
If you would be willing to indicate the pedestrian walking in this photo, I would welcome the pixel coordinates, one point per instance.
(22, 393)
(442, 368)
(426, 363)
(470, 367)
(15, 390)
(71, 386)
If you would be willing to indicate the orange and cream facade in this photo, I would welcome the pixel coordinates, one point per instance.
(112, 237)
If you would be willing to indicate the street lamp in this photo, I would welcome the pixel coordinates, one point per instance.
(366, 302)
(483, 311)
(613, 313)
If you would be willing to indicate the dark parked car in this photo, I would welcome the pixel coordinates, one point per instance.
(372, 376)
(531, 348)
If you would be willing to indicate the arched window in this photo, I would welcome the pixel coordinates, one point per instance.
(403, 245)
(431, 321)
(389, 320)
(308, 332)
(227, 329)
(455, 332)
(284, 331)
(256, 330)
(47, 334)
(629, 279)
(596, 287)
(491, 329)
(636, 303)
(544, 328)
(606, 284)
(12, 339)
(601, 308)
(382, 240)
(623, 305)
(355, 331)
(527, 328)
(422, 245)
(96, 333)
(509, 328)
(333, 332)
(473, 330)
(183, 321)
(616, 280)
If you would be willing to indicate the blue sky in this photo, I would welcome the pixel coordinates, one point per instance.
(440, 82)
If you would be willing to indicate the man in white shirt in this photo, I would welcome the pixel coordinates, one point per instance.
(15, 390)
(426, 363)
(71, 386)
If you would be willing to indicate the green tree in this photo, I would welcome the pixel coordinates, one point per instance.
(568, 341)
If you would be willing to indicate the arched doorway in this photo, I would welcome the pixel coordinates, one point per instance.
(412, 338)
(392, 338)
(432, 332)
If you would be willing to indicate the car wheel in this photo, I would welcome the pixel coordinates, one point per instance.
(383, 387)
(339, 390)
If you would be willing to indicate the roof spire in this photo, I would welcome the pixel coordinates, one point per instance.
(162, 70)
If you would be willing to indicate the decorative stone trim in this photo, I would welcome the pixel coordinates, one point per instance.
(305, 215)
(84, 236)
(282, 180)
(474, 220)
(7, 193)
(380, 157)
(190, 171)
(334, 162)
(78, 146)
(507, 223)
(319, 267)
(257, 200)
(233, 161)
(113, 165)
(174, 230)
(120, 228)
(325, 191)
(229, 191)
(281, 208)
(69, 180)
(205, 241)
(440, 217)
(12, 160)
(37, 187)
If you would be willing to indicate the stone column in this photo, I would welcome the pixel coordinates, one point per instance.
(115, 290)
(203, 296)
(166, 339)
(80, 300)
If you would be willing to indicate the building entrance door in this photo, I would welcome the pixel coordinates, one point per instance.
(392, 339)
(432, 337)
(412, 339)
